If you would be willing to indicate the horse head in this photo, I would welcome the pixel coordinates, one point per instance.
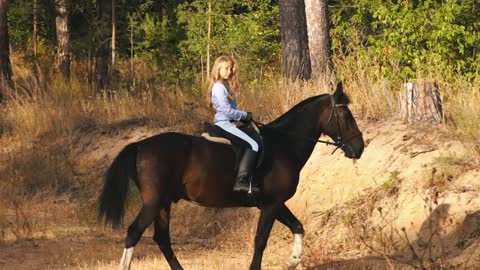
(338, 123)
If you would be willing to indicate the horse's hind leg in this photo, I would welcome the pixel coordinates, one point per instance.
(286, 217)
(135, 232)
(162, 237)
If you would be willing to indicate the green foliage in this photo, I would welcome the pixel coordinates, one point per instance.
(405, 39)
(20, 23)
(248, 30)
(407, 35)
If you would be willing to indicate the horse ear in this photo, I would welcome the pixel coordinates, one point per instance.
(339, 95)
(339, 88)
(339, 91)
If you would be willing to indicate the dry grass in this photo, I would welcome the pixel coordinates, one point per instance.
(199, 261)
(461, 105)
(40, 109)
(37, 123)
(445, 170)
(60, 111)
(276, 96)
(43, 102)
(373, 96)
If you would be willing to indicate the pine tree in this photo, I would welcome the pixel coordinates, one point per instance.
(296, 59)
(63, 38)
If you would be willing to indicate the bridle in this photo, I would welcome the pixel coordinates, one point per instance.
(339, 142)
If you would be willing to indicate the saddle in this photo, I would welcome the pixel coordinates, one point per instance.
(215, 133)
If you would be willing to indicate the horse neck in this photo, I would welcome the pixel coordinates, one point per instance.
(297, 132)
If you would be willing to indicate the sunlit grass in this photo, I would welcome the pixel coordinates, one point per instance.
(60, 111)
(372, 95)
(200, 261)
(56, 109)
(463, 108)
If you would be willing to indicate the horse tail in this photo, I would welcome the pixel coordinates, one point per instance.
(115, 189)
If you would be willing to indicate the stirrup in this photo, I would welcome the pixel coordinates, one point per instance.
(249, 187)
(252, 188)
(241, 187)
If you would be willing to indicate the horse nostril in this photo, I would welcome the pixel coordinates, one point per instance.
(349, 152)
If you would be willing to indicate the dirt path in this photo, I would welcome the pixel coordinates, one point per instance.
(102, 252)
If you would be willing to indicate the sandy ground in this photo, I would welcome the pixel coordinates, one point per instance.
(335, 198)
(103, 252)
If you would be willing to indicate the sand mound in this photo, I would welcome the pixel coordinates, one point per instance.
(413, 197)
(413, 189)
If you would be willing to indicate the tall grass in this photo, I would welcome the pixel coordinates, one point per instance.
(40, 117)
(276, 96)
(66, 107)
(41, 108)
(462, 108)
(43, 105)
(373, 96)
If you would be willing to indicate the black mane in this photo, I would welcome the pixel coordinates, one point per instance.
(308, 104)
(300, 106)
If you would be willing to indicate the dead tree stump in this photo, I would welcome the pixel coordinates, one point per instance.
(420, 102)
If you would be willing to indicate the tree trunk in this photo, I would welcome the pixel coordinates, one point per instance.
(35, 31)
(114, 34)
(209, 33)
(5, 66)
(113, 68)
(132, 54)
(63, 38)
(293, 25)
(420, 103)
(318, 37)
(159, 7)
(104, 13)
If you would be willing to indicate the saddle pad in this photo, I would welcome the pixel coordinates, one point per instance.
(215, 139)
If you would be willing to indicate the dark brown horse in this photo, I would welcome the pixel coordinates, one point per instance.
(173, 166)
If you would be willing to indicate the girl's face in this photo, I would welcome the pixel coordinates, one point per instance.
(226, 71)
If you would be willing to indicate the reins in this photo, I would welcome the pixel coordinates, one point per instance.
(340, 143)
(299, 137)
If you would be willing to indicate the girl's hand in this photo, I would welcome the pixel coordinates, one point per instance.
(248, 118)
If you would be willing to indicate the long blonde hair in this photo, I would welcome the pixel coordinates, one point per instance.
(232, 83)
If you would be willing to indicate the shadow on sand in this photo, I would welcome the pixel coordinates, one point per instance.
(433, 247)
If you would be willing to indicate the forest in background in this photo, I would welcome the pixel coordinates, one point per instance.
(163, 50)
(405, 39)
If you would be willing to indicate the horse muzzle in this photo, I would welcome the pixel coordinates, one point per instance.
(354, 148)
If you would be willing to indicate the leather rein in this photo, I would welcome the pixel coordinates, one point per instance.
(339, 142)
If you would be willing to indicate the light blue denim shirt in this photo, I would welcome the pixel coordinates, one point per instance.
(226, 108)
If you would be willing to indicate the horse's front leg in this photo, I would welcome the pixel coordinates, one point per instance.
(265, 223)
(286, 217)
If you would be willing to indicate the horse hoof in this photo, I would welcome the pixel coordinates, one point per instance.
(293, 262)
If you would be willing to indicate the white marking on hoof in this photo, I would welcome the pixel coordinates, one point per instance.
(126, 259)
(296, 256)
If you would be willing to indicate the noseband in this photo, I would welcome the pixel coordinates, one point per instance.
(339, 142)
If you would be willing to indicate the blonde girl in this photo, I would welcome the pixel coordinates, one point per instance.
(223, 100)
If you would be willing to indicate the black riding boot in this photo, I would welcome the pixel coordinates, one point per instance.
(245, 167)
